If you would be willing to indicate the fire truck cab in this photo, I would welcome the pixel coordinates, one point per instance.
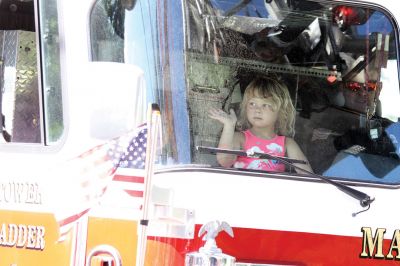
(74, 76)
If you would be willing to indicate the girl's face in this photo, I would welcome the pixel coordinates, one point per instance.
(262, 112)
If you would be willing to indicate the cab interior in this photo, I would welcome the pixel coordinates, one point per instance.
(335, 60)
(17, 15)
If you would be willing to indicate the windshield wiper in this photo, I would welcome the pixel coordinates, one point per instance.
(364, 199)
(247, 154)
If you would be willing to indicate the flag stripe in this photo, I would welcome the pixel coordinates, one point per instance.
(135, 193)
(73, 218)
(126, 178)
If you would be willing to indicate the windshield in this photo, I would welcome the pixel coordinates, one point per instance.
(333, 70)
(338, 63)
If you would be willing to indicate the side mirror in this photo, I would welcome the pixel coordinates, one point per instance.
(116, 14)
(128, 4)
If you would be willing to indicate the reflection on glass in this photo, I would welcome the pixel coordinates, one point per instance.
(338, 62)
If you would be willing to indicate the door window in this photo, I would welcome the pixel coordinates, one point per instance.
(22, 119)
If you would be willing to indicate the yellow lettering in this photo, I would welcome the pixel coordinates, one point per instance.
(371, 243)
(40, 230)
(3, 235)
(12, 234)
(31, 236)
(22, 235)
(394, 245)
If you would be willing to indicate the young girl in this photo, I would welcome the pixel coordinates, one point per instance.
(267, 117)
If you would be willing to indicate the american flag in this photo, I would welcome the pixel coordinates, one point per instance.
(120, 161)
(129, 176)
(135, 154)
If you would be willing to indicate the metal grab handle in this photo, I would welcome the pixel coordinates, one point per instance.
(107, 249)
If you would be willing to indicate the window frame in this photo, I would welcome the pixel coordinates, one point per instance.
(44, 144)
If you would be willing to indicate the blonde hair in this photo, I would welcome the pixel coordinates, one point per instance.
(265, 88)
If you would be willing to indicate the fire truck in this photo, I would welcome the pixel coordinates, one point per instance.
(77, 75)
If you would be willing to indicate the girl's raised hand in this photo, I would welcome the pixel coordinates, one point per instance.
(223, 117)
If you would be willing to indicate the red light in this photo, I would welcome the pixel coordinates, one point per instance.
(345, 16)
(347, 11)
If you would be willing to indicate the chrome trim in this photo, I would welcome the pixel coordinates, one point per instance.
(110, 250)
